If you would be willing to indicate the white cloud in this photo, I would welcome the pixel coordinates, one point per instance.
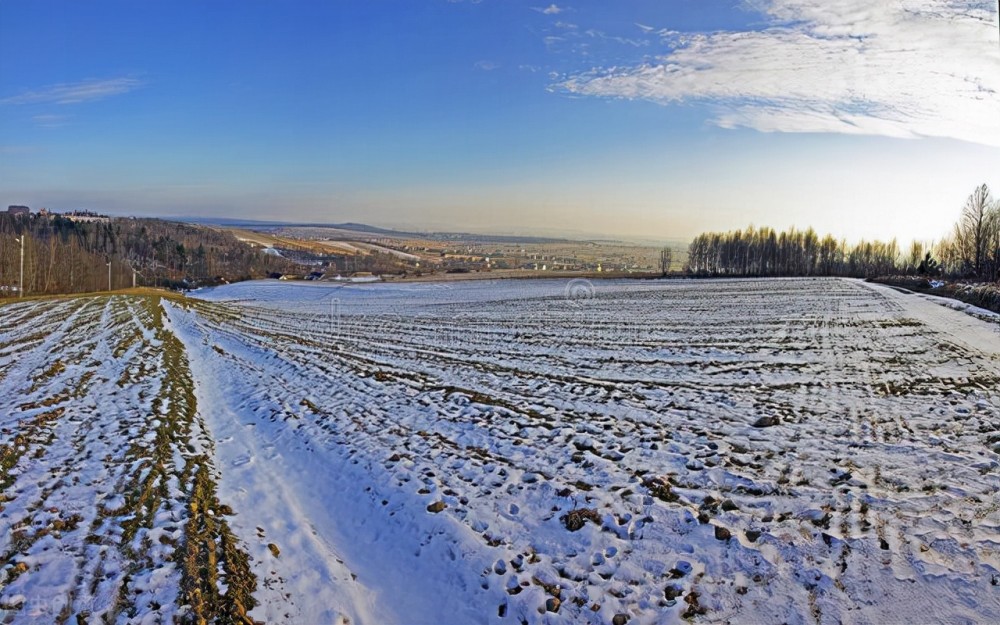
(903, 68)
(487, 66)
(552, 9)
(598, 34)
(74, 93)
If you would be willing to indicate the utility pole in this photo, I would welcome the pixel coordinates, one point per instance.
(109, 275)
(20, 288)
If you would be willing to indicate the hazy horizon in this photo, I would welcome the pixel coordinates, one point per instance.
(645, 119)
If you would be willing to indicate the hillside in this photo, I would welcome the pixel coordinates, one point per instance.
(66, 256)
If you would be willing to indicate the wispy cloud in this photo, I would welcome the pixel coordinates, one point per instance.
(598, 34)
(552, 9)
(551, 41)
(487, 66)
(75, 93)
(903, 68)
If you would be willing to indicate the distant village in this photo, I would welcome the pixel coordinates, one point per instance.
(75, 215)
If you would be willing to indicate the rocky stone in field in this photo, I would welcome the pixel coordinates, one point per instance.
(672, 592)
(436, 507)
(729, 505)
(722, 533)
(752, 535)
(661, 488)
(619, 619)
(552, 604)
(273, 549)
(818, 517)
(694, 607)
(766, 422)
(576, 519)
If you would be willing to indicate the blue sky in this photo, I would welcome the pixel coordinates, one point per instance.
(655, 118)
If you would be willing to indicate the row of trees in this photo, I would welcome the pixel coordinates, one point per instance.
(65, 256)
(767, 252)
(971, 251)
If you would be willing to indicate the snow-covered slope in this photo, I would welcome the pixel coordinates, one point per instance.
(108, 510)
(539, 451)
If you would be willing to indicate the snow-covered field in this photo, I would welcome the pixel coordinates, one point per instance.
(501, 452)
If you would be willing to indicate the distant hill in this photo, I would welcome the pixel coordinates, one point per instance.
(230, 223)
(68, 256)
(250, 224)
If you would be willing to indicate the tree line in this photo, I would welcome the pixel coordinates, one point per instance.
(970, 251)
(66, 256)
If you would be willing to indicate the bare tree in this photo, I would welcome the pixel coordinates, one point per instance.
(992, 260)
(915, 257)
(666, 259)
(972, 232)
